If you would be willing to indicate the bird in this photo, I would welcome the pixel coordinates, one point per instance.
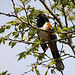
(44, 24)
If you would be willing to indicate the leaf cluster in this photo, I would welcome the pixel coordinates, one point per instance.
(4, 73)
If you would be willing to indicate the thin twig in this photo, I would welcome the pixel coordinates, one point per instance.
(63, 9)
(9, 15)
(22, 41)
(62, 72)
(26, 13)
(28, 71)
(14, 7)
(67, 54)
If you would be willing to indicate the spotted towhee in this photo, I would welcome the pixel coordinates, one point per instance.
(43, 23)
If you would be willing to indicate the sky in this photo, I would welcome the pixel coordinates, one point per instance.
(8, 56)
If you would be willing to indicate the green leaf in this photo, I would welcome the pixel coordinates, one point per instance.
(3, 41)
(18, 9)
(37, 71)
(2, 29)
(41, 56)
(55, 0)
(12, 22)
(12, 44)
(22, 26)
(15, 34)
(65, 29)
(4, 73)
(73, 27)
(28, 52)
(32, 69)
(70, 36)
(8, 27)
(8, 74)
(35, 65)
(24, 38)
(71, 18)
(52, 62)
(16, 29)
(57, 14)
(23, 1)
(0, 40)
(21, 55)
(52, 71)
(58, 29)
(35, 55)
(46, 72)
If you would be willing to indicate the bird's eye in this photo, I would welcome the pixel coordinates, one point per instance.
(41, 15)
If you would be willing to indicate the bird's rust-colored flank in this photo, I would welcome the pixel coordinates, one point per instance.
(48, 25)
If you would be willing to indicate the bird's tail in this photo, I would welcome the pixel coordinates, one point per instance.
(56, 56)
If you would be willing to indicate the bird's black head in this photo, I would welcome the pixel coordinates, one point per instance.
(41, 20)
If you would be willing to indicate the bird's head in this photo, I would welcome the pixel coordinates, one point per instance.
(41, 20)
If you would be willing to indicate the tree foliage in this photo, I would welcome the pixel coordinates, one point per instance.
(25, 29)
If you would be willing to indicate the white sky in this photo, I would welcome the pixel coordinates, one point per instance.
(8, 58)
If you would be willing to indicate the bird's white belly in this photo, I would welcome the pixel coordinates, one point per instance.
(43, 36)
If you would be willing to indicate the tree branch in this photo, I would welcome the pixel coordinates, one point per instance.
(63, 9)
(14, 7)
(21, 41)
(9, 15)
(67, 54)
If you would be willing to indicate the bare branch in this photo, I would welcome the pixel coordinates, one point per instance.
(26, 13)
(67, 54)
(21, 41)
(62, 72)
(9, 15)
(14, 7)
(63, 9)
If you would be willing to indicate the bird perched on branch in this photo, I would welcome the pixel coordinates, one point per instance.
(43, 23)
